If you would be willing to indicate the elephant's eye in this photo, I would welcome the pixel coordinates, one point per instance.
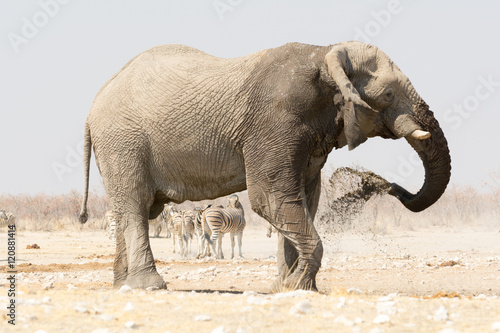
(389, 96)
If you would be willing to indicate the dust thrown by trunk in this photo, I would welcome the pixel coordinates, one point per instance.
(346, 193)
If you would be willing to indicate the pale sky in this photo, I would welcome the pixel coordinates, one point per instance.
(55, 56)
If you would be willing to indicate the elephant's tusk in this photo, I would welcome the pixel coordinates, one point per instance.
(420, 135)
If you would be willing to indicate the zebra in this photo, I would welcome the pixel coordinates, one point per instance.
(7, 219)
(189, 228)
(203, 247)
(110, 225)
(179, 232)
(166, 218)
(224, 220)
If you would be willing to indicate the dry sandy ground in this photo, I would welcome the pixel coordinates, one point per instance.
(426, 281)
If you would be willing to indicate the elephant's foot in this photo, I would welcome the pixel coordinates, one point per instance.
(119, 281)
(120, 272)
(146, 278)
(297, 280)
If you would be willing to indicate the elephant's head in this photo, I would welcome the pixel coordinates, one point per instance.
(381, 101)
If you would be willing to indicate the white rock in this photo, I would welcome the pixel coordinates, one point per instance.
(377, 330)
(381, 319)
(219, 329)
(40, 331)
(496, 326)
(292, 294)
(71, 287)
(302, 307)
(28, 301)
(341, 303)
(344, 321)
(46, 300)
(388, 308)
(448, 330)
(241, 330)
(256, 300)
(354, 291)
(131, 324)
(125, 289)
(81, 307)
(441, 314)
(202, 318)
(107, 317)
(387, 298)
(160, 301)
(129, 307)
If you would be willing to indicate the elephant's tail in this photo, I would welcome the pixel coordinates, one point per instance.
(87, 151)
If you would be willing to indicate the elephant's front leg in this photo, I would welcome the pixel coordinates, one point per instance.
(287, 255)
(141, 272)
(288, 212)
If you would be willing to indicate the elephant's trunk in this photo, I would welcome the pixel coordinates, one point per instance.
(435, 156)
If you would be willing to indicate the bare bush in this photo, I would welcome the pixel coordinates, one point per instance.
(53, 212)
(352, 199)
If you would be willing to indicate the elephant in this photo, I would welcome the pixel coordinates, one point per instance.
(269, 121)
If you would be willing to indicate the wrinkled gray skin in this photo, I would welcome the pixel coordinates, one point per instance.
(269, 121)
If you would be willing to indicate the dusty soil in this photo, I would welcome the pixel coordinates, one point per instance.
(425, 281)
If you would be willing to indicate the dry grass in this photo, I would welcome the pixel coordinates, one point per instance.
(459, 207)
(53, 212)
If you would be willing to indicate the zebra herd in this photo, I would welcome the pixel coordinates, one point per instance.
(208, 225)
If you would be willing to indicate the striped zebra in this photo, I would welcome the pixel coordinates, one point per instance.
(6, 219)
(203, 246)
(225, 220)
(110, 225)
(179, 232)
(189, 228)
(166, 218)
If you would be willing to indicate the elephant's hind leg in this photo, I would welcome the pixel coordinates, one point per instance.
(141, 267)
(134, 263)
(120, 264)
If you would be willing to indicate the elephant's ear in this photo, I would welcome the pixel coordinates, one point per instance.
(358, 115)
